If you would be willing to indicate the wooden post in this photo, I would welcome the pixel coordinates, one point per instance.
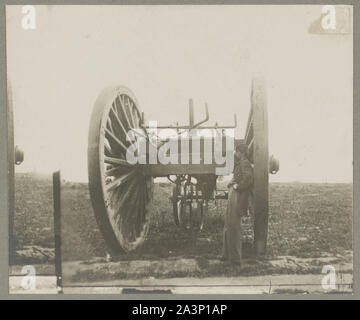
(11, 173)
(57, 228)
(191, 113)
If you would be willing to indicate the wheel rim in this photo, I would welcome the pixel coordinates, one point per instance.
(121, 195)
(256, 138)
(11, 173)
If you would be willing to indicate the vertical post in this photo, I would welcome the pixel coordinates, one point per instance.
(191, 124)
(11, 173)
(57, 228)
(191, 113)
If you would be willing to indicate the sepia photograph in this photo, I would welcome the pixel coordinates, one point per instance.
(180, 149)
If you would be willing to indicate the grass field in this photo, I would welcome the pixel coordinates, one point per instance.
(306, 220)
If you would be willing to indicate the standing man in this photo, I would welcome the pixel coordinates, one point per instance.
(237, 206)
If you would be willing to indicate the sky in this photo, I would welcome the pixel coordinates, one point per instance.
(168, 54)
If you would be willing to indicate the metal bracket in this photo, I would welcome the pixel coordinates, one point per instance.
(191, 116)
(193, 125)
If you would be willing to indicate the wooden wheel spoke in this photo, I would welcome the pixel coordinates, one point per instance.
(117, 161)
(119, 123)
(114, 145)
(137, 113)
(130, 220)
(121, 200)
(129, 207)
(137, 132)
(120, 180)
(129, 109)
(136, 116)
(133, 114)
(107, 150)
(110, 136)
(109, 125)
(123, 109)
(115, 171)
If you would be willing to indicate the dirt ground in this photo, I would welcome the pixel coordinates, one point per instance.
(307, 221)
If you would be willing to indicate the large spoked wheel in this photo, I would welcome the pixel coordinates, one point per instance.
(11, 173)
(256, 138)
(121, 195)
